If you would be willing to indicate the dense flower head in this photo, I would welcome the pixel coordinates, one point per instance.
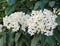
(39, 21)
(13, 21)
(43, 22)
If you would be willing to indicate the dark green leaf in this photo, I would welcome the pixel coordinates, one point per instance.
(26, 41)
(43, 38)
(45, 1)
(35, 40)
(22, 1)
(11, 2)
(4, 38)
(1, 41)
(58, 19)
(57, 35)
(10, 38)
(1, 1)
(19, 43)
(42, 5)
(50, 41)
(10, 9)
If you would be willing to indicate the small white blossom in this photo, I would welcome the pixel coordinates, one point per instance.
(49, 33)
(59, 13)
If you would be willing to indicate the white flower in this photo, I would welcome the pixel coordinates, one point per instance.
(15, 19)
(39, 21)
(43, 22)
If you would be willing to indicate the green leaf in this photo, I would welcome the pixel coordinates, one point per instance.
(37, 4)
(43, 38)
(50, 40)
(21, 40)
(1, 41)
(17, 36)
(58, 20)
(45, 1)
(35, 40)
(10, 38)
(10, 9)
(2, 14)
(4, 38)
(58, 10)
(42, 5)
(1, 34)
(58, 27)
(27, 41)
(11, 2)
(57, 35)
(52, 3)
(22, 1)
(19, 43)
(1, 1)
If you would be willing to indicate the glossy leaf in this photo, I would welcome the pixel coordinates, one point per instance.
(9, 10)
(52, 3)
(37, 4)
(42, 5)
(35, 40)
(11, 2)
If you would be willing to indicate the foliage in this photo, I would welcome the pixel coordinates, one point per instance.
(8, 38)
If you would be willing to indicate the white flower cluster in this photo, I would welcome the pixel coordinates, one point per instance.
(39, 21)
(43, 22)
(13, 21)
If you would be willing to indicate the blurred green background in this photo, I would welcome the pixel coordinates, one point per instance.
(8, 7)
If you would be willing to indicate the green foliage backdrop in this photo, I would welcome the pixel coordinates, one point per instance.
(8, 38)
